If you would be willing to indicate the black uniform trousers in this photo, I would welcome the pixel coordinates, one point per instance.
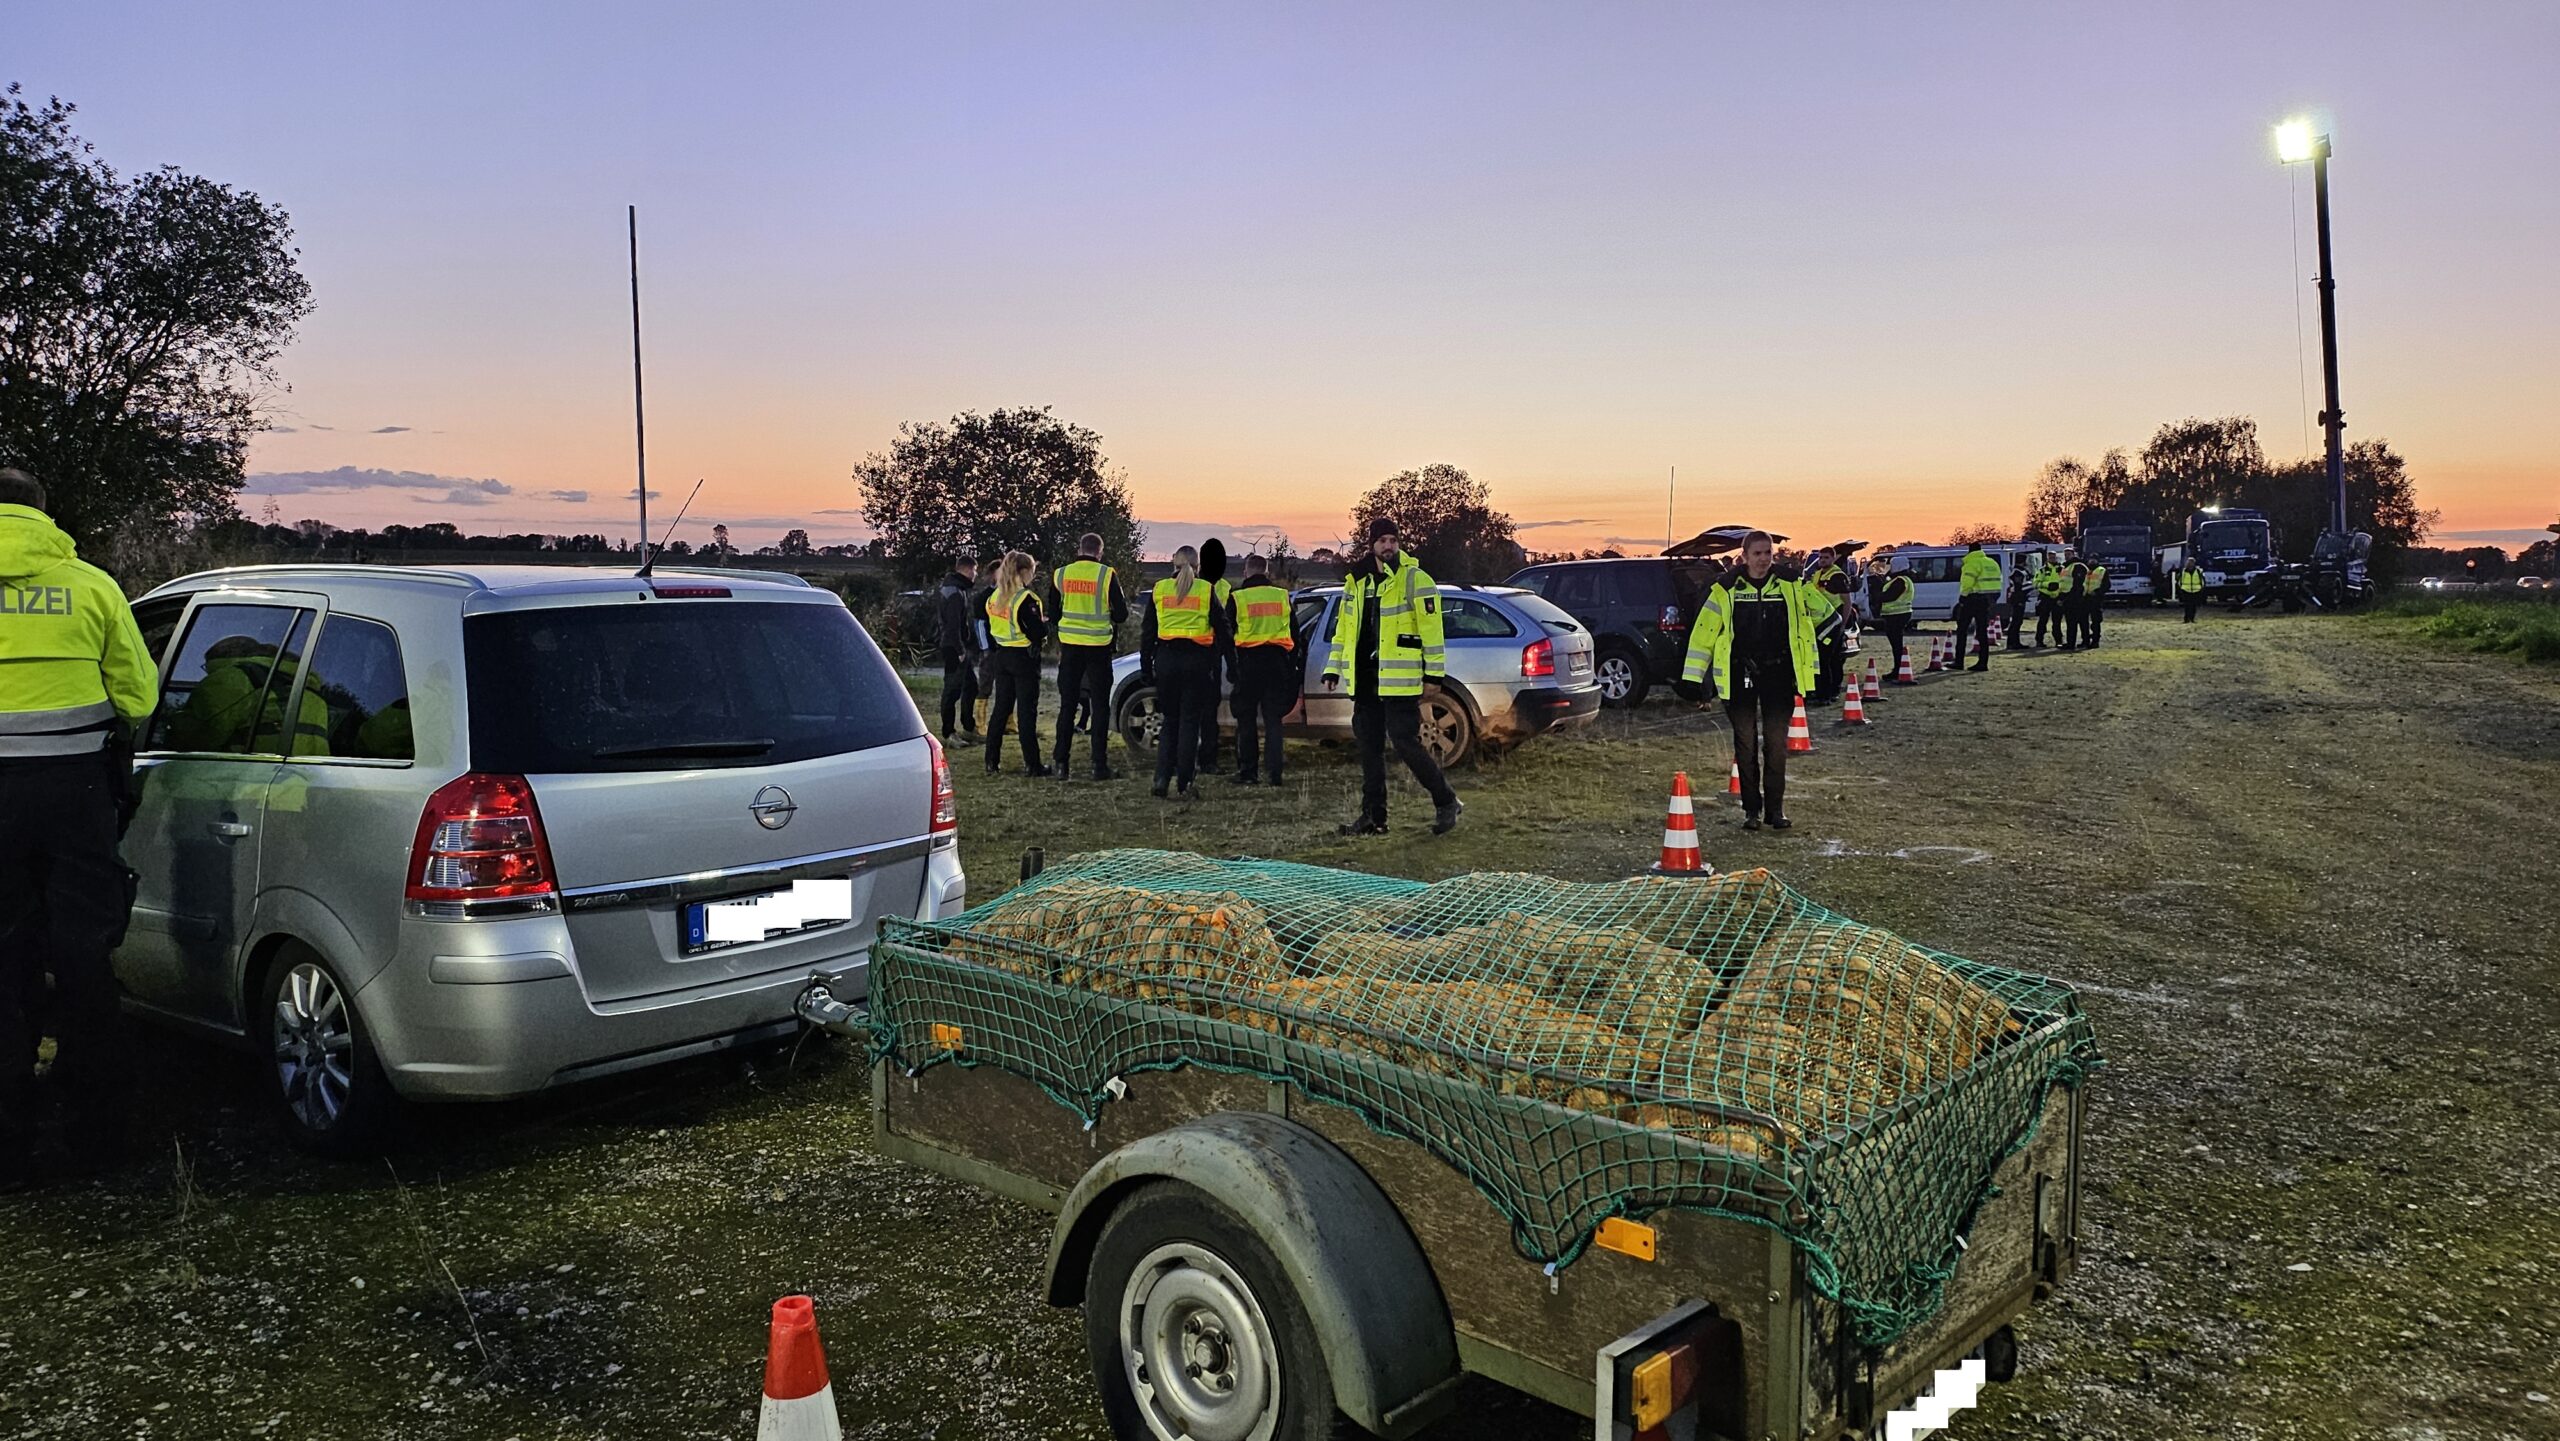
(2097, 622)
(959, 695)
(2190, 601)
(1186, 696)
(1760, 715)
(1377, 721)
(2016, 623)
(1973, 617)
(1084, 685)
(1017, 695)
(2048, 617)
(1895, 628)
(1267, 679)
(2075, 621)
(63, 904)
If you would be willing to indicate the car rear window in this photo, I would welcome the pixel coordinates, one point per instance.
(1545, 614)
(676, 684)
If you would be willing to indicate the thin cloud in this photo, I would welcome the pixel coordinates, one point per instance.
(1546, 524)
(856, 511)
(574, 497)
(2495, 537)
(324, 427)
(634, 494)
(388, 430)
(282, 430)
(465, 495)
(347, 479)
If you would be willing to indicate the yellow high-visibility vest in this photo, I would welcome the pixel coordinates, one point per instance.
(1184, 617)
(1005, 629)
(1262, 617)
(1084, 603)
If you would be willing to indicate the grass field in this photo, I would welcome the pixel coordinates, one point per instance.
(2302, 867)
(2526, 623)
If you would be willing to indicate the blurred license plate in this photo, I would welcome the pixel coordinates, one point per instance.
(1580, 664)
(752, 919)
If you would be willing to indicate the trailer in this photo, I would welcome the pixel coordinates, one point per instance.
(1276, 1219)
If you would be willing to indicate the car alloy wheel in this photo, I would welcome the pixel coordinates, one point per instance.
(314, 1047)
(1617, 676)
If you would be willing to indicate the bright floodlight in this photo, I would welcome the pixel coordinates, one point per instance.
(2293, 141)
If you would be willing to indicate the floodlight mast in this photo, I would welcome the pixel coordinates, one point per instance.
(2297, 141)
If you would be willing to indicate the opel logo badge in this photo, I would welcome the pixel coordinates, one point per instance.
(772, 808)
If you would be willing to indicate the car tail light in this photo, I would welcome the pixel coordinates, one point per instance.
(1538, 657)
(480, 838)
(688, 592)
(946, 802)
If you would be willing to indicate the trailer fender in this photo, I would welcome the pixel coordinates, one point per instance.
(1359, 1273)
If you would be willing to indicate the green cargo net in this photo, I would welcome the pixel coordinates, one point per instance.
(1576, 1051)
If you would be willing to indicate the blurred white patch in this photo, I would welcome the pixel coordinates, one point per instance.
(1954, 1391)
(807, 903)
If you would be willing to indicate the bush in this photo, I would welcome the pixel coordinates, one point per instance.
(2526, 622)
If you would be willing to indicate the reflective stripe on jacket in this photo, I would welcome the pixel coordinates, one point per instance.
(1084, 603)
(2050, 581)
(1711, 638)
(1412, 643)
(71, 658)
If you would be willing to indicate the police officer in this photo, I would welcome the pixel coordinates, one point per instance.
(1977, 587)
(2190, 589)
(1085, 596)
(1827, 593)
(1889, 596)
(2075, 604)
(956, 646)
(2094, 594)
(2021, 585)
(2050, 582)
(1016, 629)
(1754, 634)
(1267, 670)
(73, 678)
(1388, 643)
(1180, 650)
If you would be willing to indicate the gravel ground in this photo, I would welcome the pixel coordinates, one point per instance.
(2293, 862)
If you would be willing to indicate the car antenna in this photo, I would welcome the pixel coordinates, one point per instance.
(651, 559)
(639, 417)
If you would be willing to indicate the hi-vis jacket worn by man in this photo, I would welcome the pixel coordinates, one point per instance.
(71, 659)
(1711, 636)
(1411, 639)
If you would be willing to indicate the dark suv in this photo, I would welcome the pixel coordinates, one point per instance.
(1638, 612)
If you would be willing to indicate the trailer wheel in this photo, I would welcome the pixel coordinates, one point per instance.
(1194, 1332)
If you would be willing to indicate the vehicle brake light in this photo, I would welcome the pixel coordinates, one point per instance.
(689, 592)
(480, 838)
(1538, 657)
(946, 802)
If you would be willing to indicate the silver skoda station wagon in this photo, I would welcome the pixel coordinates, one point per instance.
(472, 832)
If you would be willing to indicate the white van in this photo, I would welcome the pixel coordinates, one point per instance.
(1933, 570)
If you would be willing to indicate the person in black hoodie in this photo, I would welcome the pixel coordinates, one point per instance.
(957, 647)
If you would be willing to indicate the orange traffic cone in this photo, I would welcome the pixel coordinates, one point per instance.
(1733, 787)
(1680, 834)
(1799, 731)
(1937, 654)
(1902, 671)
(1870, 689)
(1853, 711)
(799, 1404)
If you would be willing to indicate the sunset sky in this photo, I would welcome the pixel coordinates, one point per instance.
(1856, 270)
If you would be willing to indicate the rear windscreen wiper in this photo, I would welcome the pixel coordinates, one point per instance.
(682, 748)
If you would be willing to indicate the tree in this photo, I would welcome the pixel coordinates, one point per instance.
(2069, 486)
(720, 545)
(139, 325)
(2196, 463)
(1446, 519)
(795, 542)
(1018, 479)
(1985, 531)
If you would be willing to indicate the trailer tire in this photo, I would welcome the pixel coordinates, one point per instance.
(1177, 1278)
